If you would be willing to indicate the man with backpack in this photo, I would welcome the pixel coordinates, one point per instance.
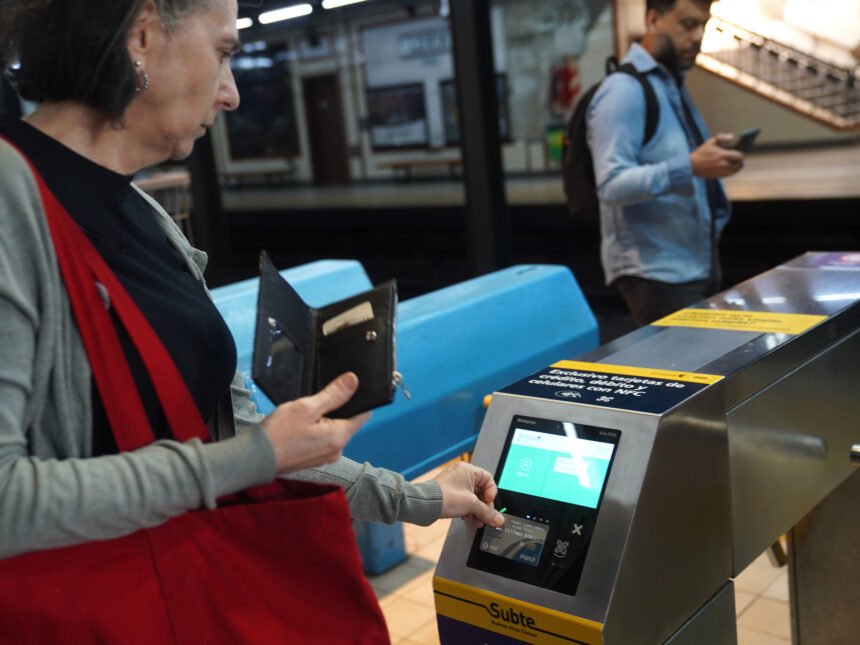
(657, 170)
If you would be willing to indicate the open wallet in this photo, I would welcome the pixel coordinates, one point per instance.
(299, 349)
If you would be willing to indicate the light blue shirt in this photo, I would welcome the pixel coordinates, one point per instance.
(655, 219)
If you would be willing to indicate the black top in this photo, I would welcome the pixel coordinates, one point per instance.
(124, 229)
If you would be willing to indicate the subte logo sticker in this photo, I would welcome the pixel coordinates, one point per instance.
(511, 616)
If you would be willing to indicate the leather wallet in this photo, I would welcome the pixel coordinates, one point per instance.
(299, 349)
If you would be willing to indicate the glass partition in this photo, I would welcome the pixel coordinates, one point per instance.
(371, 86)
(264, 125)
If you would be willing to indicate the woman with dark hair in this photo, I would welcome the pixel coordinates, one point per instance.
(122, 85)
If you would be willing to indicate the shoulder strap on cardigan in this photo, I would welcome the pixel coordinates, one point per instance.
(83, 270)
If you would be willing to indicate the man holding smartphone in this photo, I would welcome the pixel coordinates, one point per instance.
(662, 204)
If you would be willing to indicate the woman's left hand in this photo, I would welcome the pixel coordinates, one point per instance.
(469, 491)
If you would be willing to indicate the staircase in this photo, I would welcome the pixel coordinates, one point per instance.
(816, 88)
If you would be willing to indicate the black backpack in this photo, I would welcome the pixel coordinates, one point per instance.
(577, 169)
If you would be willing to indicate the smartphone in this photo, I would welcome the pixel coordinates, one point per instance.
(742, 141)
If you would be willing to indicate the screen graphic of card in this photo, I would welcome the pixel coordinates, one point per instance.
(519, 540)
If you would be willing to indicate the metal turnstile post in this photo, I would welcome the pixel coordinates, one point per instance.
(824, 570)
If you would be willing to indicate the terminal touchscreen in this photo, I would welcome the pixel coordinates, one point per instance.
(551, 478)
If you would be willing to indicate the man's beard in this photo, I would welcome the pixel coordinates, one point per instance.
(666, 54)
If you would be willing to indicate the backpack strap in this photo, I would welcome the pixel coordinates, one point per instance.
(652, 107)
(611, 65)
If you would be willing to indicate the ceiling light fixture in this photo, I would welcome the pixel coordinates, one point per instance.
(244, 23)
(334, 4)
(286, 13)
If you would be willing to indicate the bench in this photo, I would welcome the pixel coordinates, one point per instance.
(403, 169)
(171, 189)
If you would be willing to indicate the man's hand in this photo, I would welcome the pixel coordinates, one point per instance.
(712, 161)
(300, 433)
(469, 491)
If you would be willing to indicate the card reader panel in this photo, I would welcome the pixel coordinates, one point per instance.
(551, 476)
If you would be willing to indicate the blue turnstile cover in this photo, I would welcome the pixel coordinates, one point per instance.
(454, 346)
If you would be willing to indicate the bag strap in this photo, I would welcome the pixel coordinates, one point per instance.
(84, 271)
(652, 106)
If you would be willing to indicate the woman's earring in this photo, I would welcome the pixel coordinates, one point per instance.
(138, 66)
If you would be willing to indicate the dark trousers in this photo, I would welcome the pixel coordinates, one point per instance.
(650, 300)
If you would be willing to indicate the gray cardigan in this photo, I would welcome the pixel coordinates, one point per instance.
(52, 491)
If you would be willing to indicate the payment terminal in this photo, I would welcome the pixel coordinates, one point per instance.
(551, 478)
(638, 480)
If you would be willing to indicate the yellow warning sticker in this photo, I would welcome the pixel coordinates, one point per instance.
(642, 372)
(463, 606)
(765, 322)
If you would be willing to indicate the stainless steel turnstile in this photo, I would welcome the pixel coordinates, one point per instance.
(639, 479)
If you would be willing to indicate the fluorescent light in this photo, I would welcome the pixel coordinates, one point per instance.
(255, 46)
(334, 4)
(244, 23)
(285, 13)
(836, 297)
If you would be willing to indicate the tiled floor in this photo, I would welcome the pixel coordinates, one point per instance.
(406, 595)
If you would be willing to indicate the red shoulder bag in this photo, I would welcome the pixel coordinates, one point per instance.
(273, 564)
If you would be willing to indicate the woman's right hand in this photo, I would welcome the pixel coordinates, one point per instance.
(303, 437)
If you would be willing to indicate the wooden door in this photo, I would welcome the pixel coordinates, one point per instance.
(326, 133)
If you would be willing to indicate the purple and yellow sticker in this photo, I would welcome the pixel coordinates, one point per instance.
(637, 389)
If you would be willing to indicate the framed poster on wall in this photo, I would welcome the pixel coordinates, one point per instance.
(398, 117)
(450, 117)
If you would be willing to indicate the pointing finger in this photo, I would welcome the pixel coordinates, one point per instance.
(486, 514)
